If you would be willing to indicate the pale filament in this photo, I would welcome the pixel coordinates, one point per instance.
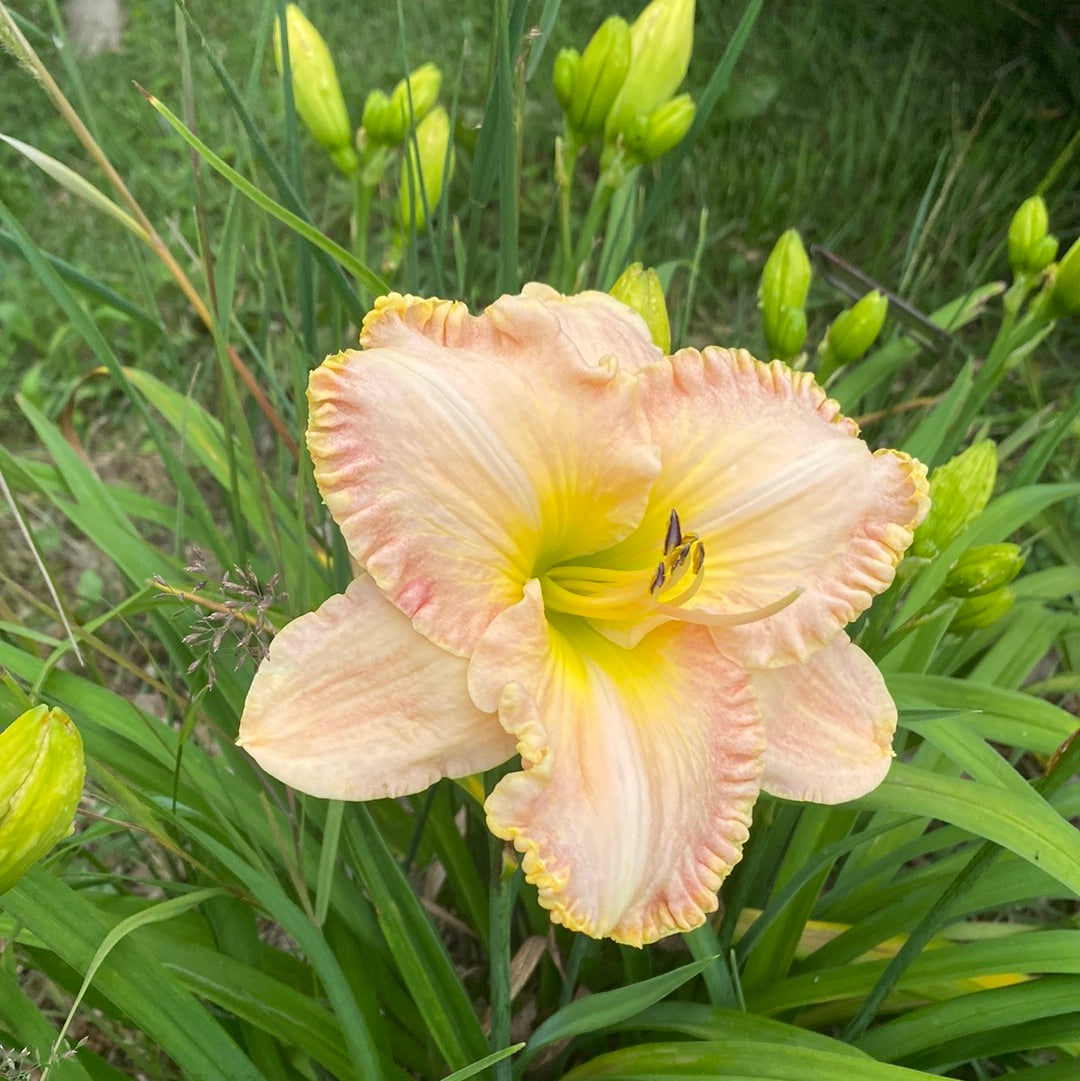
(611, 594)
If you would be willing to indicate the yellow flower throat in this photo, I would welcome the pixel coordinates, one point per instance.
(609, 593)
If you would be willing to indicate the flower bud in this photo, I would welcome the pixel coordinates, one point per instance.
(563, 76)
(424, 169)
(41, 778)
(641, 290)
(422, 86)
(661, 40)
(983, 569)
(785, 334)
(853, 331)
(599, 75)
(316, 90)
(664, 129)
(1031, 248)
(785, 282)
(1065, 293)
(378, 121)
(978, 612)
(959, 490)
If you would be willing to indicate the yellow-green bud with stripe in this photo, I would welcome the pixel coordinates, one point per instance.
(661, 40)
(983, 569)
(422, 88)
(641, 290)
(598, 76)
(663, 129)
(785, 281)
(424, 169)
(42, 769)
(959, 490)
(316, 90)
(1065, 293)
(1031, 248)
(852, 332)
(975, 613)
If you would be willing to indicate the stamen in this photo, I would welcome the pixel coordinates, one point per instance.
(673, 537)
(658, 578)
(613, 593)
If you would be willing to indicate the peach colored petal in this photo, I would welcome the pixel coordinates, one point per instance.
(640, 768)
(587, 328)
(829, 725)
(763, 467)
(462, 455)
(352, 703)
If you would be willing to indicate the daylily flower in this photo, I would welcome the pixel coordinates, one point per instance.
(632, 570)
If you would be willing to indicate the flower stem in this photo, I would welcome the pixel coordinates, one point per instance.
(566, 154)
(503, 889)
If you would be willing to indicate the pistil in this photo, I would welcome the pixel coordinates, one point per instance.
(609, 593)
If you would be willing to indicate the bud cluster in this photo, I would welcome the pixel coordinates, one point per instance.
(408, 114)
(624, 83)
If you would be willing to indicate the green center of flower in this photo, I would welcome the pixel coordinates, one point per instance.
(633, 593)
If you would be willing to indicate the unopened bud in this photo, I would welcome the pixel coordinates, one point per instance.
(661, 40)
(641, 290)
(663, 129)
(563, 75)
(785, 282)
(41, 778)
(959, 490)
(316, 90)
(978, 612)
(785, 333)
(425, 168)
(984, 569)
(853, 331)
(378, 122)
(599, 75)
(1031, 248)
(422, 88)
(1065, 292)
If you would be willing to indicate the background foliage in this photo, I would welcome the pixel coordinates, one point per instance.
(214, 925)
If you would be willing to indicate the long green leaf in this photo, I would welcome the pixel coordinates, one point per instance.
(595, 1012)
(131, 978)
(1027, 826)
(736, 1060)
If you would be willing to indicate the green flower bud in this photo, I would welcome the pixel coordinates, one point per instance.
(1031, 248)
(641, 290)
(316, 90)
(661, 40)
(423, 87)
(978, 612)
(785, 334)
(599, 76)
(959, 490)
(785, 281)
(424, 169)
(853, 331)
(1065, 292)
(379, 122)
(664, 129)
(41, 778)
(984, 569)
(563, 76)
